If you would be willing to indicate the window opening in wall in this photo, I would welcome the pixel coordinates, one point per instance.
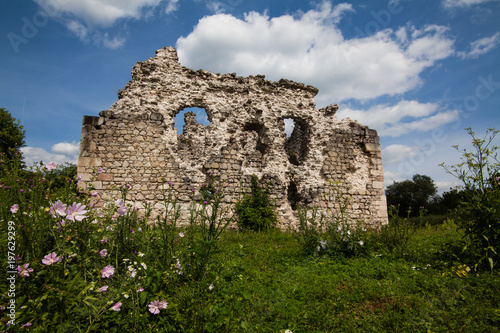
(289, 126)
(297, 141)
(292, 195)
(201, 118)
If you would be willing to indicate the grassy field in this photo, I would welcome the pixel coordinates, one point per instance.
(266, 285)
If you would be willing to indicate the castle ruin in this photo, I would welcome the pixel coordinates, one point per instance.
(136, 144)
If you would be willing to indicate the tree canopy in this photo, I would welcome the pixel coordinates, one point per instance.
(414, 193)
(11, 133)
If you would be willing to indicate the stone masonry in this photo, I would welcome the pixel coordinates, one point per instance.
(136, 144)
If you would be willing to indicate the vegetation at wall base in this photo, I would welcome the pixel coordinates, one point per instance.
(255, 210)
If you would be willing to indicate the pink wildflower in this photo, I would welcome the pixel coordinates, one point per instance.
(116, 307)
(59, 208)
(163, 305)
(50, 258)
(24, 270)
(102, 289)
(14, 208)
(104, 240)
(51, 166)
(154, 307)
(107, 271)
(122, 209)
(76, 212)
(181, 234)
(103, 253)
(140, 289)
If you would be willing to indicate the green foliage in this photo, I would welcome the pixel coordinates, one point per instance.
(11, 134)
(479, 213)
(411, 194)
(255, 210)
(332, 234)
(395, 235)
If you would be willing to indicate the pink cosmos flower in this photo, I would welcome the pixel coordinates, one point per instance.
(163, 304)
(51, 166)
(50, 258)
(117, 306)
(14, 208)
(103, 253)
(59, 208)
(107, 271)
(102, 289)
(24, 270)
(76, 212)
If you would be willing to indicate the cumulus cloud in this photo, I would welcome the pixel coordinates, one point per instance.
(480, 47)
(86, 18)
(401, 118)
(463, 3)
(397, 153)
(60, 153)
(309, 47)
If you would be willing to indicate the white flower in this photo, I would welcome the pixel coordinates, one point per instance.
(140, 254)
(361, 242)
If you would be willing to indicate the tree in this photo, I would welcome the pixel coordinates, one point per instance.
(413, 194)
(11, 134)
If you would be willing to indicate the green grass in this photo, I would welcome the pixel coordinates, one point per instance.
(265, 285)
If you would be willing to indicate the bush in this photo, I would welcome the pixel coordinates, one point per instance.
(479, 212)
(256, 211)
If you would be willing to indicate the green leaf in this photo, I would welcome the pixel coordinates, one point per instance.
(247, 295)
(491, 263)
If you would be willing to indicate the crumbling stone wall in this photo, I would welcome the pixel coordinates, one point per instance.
(136, 144)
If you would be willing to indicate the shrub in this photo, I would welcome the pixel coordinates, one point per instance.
(395, 235)
(479, 212)
(255, 210)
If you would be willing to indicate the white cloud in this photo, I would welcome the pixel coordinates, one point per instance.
(97, 13)
(60, 152)
(309, 47)
(401, 118)
(85, 18)
(172, 6)
(463, 3)
(480, 47)
(397, 153)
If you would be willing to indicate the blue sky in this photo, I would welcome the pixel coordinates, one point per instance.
(418, 72)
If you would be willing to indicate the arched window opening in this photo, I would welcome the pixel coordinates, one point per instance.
(200, 117)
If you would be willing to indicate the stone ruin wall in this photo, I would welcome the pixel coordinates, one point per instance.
(135, 143)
